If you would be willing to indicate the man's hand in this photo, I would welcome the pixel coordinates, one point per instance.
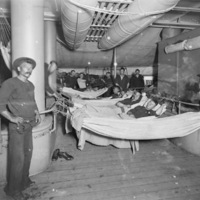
(37, 117)
(11, 118)
(17, 120)
(57, 95)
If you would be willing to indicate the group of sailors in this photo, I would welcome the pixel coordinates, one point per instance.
(132, 90)
(117, 86)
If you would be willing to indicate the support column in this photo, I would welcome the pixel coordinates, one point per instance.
(27, 19)
(28, 40)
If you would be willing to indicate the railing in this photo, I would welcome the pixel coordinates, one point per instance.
(179, 102)
(61, 105)
(173, 100)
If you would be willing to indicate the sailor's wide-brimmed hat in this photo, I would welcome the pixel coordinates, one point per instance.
(21, 60)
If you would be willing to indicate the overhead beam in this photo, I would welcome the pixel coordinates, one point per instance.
(186, 9)
(52, 16)
(175, 25)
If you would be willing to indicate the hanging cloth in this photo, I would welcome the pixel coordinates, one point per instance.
(5, 51)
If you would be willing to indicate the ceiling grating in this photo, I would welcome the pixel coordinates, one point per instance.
(102, 21)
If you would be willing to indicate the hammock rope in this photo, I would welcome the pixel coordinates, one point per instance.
(5, 29)
(5, 38)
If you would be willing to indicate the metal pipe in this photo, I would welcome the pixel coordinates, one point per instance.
(177, 73)
(184, 26)
(145, 12)
(190, 44)
(115, 62)
(186, 9)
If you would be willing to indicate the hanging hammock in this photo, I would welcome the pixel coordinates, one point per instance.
(85, 94)
(103, 126)
(5, 38)
(108, 124)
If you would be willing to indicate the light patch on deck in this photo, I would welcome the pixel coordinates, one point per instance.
(164, 156)
(125, 168)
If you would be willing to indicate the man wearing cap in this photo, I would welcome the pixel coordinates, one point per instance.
(137, 81)
(122, 80)
(17, 104)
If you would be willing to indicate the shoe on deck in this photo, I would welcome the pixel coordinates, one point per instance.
(55, 155)
(65, 155)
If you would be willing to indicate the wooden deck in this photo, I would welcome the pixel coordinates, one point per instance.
(159, 170)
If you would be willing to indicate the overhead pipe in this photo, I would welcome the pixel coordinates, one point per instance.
(76, 21)
(140, 14)
(115, 62)
(190, 44)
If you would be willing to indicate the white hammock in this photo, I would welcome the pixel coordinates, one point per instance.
(85, 94)
(146, 128)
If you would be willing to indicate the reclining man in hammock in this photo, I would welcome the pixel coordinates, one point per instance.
(146, 110)
(149, 110)
(128, 102)
(116, 92)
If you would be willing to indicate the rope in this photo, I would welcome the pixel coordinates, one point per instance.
(5, 33)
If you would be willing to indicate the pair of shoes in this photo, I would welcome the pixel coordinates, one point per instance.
(55, 155)
(65, 155)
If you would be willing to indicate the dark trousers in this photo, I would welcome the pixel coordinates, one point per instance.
(20, 147)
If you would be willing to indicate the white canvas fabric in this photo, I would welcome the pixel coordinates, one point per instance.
(85, 94)
(106, 122)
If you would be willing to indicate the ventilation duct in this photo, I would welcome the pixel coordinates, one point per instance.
(76, 21)
(140, 14)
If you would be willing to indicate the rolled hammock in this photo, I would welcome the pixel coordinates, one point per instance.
(189, 44)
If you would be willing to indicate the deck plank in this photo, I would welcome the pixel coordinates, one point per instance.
(160, 170)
